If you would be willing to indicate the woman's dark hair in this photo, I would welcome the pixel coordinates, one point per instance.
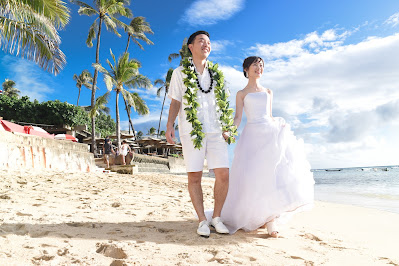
(195, 34)
(249, 61)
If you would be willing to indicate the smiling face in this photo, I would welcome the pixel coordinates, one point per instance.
(201, 47)
(255, 70)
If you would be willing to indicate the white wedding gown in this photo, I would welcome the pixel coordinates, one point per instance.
(270, 176)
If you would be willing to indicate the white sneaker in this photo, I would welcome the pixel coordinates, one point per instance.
(203, 229)
(219, 226)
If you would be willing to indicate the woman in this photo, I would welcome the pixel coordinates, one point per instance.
(125, 149)
(270, 177)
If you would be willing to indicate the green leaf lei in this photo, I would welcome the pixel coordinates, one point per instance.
(221, 95)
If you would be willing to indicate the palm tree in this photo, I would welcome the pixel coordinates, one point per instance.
(151, 131)
(9, 88)
(29, 29)
(136, 30)
(162, 133)
(140, 134)
(84, 79)
(125, 72)
(183, 52)
(164, 85)
(107, 11)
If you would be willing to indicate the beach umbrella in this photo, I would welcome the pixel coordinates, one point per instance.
(65, 137)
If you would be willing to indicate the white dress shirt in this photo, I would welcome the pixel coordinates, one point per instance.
(207, 113)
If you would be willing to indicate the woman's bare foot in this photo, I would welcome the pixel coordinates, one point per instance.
(272, 229)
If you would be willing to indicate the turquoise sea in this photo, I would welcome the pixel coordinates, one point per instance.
(372, 187)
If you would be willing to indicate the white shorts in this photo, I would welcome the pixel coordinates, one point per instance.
(214, 149)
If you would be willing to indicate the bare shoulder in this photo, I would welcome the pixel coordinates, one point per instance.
(269, 91)
(241, 94)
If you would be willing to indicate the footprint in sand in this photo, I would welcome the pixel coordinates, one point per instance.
(23, 214)
(110, 250)
(311, 237)
(42, 258)
(118, 263)
(62, 252)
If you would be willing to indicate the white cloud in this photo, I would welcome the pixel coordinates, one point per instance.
(311, 43)
(393, 20)
(29, 78)
(219, 46)
(343, 99)
(208, 12)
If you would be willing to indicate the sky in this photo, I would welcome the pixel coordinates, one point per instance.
(333, 67)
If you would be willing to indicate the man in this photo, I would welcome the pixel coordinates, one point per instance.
(107, 149)
(213, 145)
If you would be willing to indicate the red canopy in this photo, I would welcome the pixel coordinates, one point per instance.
(25, 129)
(12, 127)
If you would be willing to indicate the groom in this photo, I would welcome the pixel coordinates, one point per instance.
(212, 145)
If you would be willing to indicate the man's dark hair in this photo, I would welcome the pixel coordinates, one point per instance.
(249, 61)
(192, 36)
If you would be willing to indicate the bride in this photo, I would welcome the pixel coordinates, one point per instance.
(270, 177)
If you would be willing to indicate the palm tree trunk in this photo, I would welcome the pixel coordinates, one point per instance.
(128, 114)
(118, 130)
(160, 117)
(93, 92)
(77, 104)
(128, 41)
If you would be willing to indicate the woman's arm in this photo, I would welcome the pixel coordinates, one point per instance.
(271, 102)
(239, 108)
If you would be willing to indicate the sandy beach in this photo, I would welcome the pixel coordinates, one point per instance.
(58, 218)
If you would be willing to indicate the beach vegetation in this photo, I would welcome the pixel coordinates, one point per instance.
(30, 29)
(151, 131)
(84, 79)
(136, 30)
(9, 88)
(164, 85)
(106, 11)
(124, 72)
(183, 53)
(55, 113)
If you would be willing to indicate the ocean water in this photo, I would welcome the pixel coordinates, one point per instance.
(371, 187)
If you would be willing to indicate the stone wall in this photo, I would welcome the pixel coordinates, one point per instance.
(27, 151)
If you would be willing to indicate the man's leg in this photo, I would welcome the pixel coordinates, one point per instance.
(195, 190)
(220, 189)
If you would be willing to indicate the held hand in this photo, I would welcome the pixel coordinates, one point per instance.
(170, 135)
(226, 136)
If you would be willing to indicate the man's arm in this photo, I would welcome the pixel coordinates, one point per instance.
(173, 111)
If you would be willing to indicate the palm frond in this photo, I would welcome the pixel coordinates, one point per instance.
(169, 75)
(21, 39)
(173, 56)
(138, 105)
(92, 33)
(100, 68)
(87, 11)
(159, 90)
(139, 81)
(111, 25)
(159, 82)
(100, 104)
(109, 82)
(54, 10)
